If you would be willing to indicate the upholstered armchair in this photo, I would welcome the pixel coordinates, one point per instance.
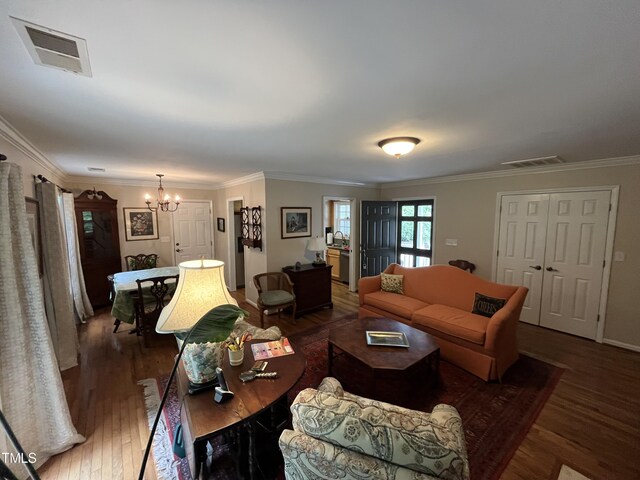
(339, 435)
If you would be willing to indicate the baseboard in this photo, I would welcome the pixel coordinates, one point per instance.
(627, 346)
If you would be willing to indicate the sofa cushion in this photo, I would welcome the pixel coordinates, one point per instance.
(395, 303)
(453, 321)
(391, 283)
(276, 297)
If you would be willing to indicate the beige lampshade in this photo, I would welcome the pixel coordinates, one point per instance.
(200, 288)
(316, 244)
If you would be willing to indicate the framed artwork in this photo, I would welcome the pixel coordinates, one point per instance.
(220, 224)
(33, 219)
(140, 223)
(295, 222)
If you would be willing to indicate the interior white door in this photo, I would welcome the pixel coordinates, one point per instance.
(574, 261)
(192, 231)
(521, 247)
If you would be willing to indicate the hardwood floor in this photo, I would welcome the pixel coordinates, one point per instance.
(591, 421)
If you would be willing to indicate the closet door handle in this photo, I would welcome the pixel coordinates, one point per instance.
(551, 269)
(535, 267)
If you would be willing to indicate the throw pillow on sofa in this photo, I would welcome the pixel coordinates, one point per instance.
(487, 306)
(392, 283)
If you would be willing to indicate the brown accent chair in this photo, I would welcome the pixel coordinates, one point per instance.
(440, 300)
(142, 261)
(463, 264)
(275, 290)
(153, 295)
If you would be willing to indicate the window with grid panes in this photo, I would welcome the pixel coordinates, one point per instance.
(342, 219)
(415, 232)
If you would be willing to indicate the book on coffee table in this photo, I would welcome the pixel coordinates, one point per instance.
(387, 339)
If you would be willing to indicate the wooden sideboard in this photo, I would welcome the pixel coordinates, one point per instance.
(312, 286)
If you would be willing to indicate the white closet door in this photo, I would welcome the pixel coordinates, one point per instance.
(574, 261)
(523, 230)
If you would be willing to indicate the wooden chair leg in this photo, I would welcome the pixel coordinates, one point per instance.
(293, 313)
(261, 317)
(116, 324)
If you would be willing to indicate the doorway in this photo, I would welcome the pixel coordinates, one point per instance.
(235, 250)
(558, 245)
(192, 234)
(339, 227)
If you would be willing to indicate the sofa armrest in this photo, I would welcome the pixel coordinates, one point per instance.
(305, 456)
(406, 438)
(503, 324)
(368, 285)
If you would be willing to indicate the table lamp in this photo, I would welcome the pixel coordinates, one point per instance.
(201, 311)
(318, 245)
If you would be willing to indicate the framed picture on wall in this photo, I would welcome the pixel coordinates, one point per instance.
(33, 220)
(220, 224)
(140, 223)
(295, 222)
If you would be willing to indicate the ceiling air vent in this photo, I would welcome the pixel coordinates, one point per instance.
(51, 48)
(535, 162)
(96, 169)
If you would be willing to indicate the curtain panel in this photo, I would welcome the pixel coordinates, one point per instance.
(57, 289)
(78, 290)
(31, 390)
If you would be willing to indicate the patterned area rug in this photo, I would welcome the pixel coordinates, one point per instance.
(496, 417)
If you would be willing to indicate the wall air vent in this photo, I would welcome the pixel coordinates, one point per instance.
(51, 48)
(535, 162)
(96, 169)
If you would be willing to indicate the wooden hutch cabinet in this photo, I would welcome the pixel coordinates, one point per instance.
(97, 220)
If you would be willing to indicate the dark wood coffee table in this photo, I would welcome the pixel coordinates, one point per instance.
(390, 374)
(203, 419)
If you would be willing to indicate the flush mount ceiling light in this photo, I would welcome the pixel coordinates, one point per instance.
(397, 146)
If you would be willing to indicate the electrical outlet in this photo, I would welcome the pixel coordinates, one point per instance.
(619, 256)
(452, 242)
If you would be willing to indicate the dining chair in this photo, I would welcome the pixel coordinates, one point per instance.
(275, 290)
(142, 261)
(153, 294)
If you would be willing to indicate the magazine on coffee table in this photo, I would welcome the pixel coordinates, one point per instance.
(387, 339)
(276, 348)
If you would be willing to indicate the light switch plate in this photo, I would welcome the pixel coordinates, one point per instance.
(619, 256)
(452, 242)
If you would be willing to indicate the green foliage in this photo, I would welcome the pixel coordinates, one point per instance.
(214, 326)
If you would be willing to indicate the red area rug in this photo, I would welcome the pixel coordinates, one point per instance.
(496, 417)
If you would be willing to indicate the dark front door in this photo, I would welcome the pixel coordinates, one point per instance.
(378, 234)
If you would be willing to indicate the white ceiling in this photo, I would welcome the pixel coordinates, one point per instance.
(216, 90)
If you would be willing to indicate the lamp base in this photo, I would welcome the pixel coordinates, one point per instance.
(195, 388)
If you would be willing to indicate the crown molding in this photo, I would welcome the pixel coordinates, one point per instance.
(15, 138)
(242, 180)
(127, 182)
(309, 179)
(564, 167)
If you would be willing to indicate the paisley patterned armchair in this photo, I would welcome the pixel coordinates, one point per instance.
(340, 435)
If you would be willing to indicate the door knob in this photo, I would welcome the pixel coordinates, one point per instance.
(178, 249)
(535, 267)
(551, 269)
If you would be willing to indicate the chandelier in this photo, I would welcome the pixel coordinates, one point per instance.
(163, 200)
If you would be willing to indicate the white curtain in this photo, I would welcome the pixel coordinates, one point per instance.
(78, 290)
(31, 391)
(57, 288)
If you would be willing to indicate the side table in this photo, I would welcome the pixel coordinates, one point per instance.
(312, 286)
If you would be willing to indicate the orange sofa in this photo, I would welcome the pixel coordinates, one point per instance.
(439, 300)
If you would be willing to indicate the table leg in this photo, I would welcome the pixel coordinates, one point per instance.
(251, 449)
(200, 459)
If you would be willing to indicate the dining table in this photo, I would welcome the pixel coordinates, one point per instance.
(124, 284)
